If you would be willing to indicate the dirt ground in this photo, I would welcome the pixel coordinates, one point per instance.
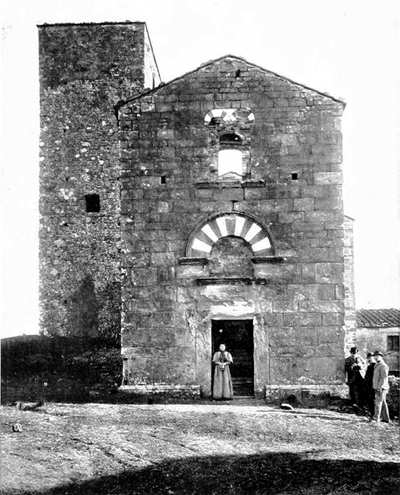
(190, 448)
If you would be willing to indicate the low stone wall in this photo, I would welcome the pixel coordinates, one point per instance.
(159, 392)
(305, 395)
(393, 397)
(325, 395)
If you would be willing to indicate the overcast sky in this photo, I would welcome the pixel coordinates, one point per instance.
(349, 49)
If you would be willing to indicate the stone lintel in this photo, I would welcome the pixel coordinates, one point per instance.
(305, 392)
(192, 261)
(268, 259)
(253, 183)
(231, 281)
(160, 388)
(223, 184)
(229, 184)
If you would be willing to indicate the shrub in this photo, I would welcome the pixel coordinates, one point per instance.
(393, 397)
(71, 367)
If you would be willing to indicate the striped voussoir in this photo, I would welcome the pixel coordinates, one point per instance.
(230, 225)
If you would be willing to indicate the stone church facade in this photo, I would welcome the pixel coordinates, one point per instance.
(219, 214)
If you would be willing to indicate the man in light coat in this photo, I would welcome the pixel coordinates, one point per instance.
(380, 384)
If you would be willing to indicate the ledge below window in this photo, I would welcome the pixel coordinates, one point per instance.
(253, 183)
(231, 281)
(228, 184)
(215, 184)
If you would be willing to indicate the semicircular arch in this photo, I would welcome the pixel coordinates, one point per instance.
(234, 224)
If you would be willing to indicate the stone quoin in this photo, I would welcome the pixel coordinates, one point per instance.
(182, 215)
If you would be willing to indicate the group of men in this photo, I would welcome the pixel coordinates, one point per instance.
(368, 383)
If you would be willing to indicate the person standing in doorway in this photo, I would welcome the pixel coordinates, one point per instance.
(222, 388)
(354, 379)
(369, 393)
(381, 386)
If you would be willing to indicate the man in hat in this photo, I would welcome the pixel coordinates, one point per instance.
(380, 382)
(369, 393)
(354, 379)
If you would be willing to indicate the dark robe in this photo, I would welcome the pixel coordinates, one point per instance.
(369, 389)
(355, 380)
(222, 388)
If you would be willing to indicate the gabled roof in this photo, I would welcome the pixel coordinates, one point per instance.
(378, 318)
(227, 57)
(105, 23)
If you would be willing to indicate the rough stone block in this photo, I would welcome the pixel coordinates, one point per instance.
(303, 204)
(328, 272)
(322, 178)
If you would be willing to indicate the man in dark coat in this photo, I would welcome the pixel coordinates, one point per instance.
(369, 392)
(354, 379)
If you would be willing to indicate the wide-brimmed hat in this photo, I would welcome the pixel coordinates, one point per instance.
(377, 353)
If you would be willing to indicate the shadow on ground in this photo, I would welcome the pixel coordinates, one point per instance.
(282, 473)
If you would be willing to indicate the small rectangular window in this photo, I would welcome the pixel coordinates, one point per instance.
(230, 163)
(295, 176)
(92, 203)
(393, 342)
(163, 179)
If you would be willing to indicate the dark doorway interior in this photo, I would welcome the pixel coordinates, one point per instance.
(237, 335)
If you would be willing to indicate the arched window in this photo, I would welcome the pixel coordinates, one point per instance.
(230, 150)
(230, 156)
(229, 139)
(229, 116)
(230, 163)
(220, 115)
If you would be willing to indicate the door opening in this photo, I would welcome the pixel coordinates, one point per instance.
(237, 335)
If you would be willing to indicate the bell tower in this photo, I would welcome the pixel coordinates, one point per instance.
(85, 70)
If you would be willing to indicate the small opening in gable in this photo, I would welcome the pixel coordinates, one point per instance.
(230, 138)
(214, 121)
(295, 176)
(163, 179)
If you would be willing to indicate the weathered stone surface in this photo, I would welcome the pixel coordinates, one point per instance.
(84, 70)
(151, 258)
(298, 310)
(305, 394)
(348, 286)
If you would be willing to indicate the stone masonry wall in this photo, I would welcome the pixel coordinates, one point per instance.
(169, 187)
(349, 299)
(84, 71)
